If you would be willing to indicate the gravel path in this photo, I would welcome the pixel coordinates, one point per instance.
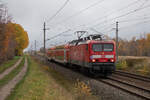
(6, 90)
(7, 71)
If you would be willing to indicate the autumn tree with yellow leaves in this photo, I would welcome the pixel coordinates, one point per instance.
(13, 38)
(21, 38)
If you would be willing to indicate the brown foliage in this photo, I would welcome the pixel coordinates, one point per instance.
(135, 47)
(7, 42)
(13, 38)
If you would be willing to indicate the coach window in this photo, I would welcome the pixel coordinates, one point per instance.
(87, 47)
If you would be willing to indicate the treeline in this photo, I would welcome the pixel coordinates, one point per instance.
(13, 38)
(135, 47)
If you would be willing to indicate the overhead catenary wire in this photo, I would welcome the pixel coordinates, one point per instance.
(120, 16)
(135, 19)
(50, 19)
(92, 5)
(129, 5)
(107, 27)
(81, 11)
(76, 14)
(125, 27)
(58, 35)
(138, 23)
(129, 19)
(59, 10)
(145, 1)
(138, 9)
(125, 21)
(123, 15)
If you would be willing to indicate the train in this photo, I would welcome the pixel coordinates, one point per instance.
(92, 54)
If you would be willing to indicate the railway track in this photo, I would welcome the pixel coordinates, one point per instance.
(134, 89)
(131, 75)
(120, 80)
(134, 84)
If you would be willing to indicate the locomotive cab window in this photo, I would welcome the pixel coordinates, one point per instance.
(108, 47)
(103, 47)
(97, 47)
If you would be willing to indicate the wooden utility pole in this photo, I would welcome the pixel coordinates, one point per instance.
(117, 41)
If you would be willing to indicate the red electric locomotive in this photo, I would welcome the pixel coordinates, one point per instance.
(91, 53)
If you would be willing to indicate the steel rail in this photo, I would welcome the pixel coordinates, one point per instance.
(131, 75)
(132, 85)
(106, 81)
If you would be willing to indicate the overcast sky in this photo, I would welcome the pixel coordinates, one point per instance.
(99, 14)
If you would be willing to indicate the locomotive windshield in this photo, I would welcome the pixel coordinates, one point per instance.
(108, 47)
(97, 47)
(103, 47)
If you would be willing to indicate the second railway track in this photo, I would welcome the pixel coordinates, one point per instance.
(134, 84)
(131, 75)
(127, 88)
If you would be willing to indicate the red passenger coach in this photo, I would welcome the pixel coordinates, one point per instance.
(91, 53)
(59, 54)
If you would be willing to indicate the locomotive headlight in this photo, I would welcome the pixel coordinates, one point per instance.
(112, 60)
(93, 60)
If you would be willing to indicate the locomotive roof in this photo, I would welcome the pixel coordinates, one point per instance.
(91, 41)
(94, 38)
(98, 41)
(83, 42)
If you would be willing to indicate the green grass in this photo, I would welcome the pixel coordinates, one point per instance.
(38, 85)
(12, 74)
(70, 86)
(8, 64)
(41, 82)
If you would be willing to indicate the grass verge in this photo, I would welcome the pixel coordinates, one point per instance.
(12, 74)
(79, 89)
(135, 65)
(8, 64)
(43, 83)
(38, 85)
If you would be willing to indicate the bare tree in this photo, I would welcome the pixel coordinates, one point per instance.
(4, 16)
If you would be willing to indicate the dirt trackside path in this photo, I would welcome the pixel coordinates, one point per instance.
(42, 82)
(6, 90)
(6, 72)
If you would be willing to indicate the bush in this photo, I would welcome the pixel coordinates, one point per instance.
(132, 62)
(121, 65)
